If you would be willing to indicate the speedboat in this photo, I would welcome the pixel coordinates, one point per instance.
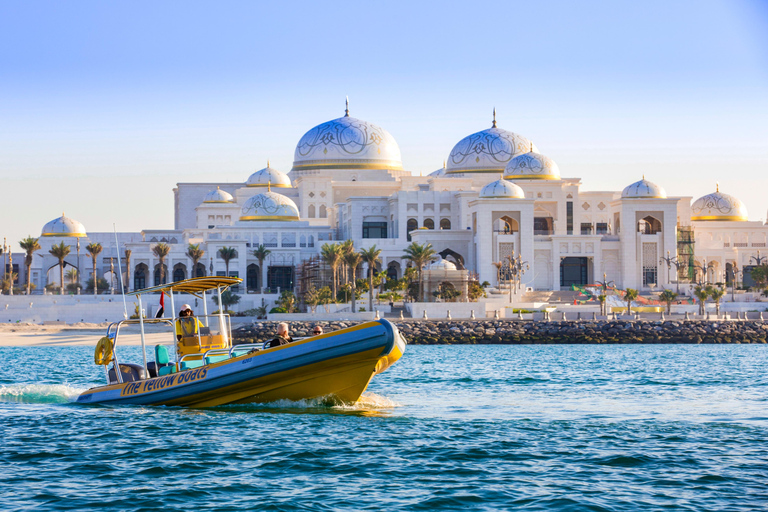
(202, 368)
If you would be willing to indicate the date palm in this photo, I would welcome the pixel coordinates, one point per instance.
(195, 253)
(227, 254)
(353, 260)
(161, 251)
(30, 245)
(261, 254)
(630, 295)
(701, 293)
(668, 297)
(419, 255)
(371, 257)
(94, 249)
(60, 252)
(331, 255)
(716, 294)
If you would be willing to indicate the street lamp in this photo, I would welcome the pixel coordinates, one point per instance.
(605, 284)
(735, 271)
(704, 269)
(758, 259)
(517, 267)
(673, 261)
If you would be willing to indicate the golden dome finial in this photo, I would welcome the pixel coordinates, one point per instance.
(444, 165)
(643, 177)
(267, 163)
(346, 109)
(531, 147)
(717, 186)
(494, 117)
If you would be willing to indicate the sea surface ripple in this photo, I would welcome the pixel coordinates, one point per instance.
(580, 427)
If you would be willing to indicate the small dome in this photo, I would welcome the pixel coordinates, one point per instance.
(442, 264)
(440, 173)
(502, 188)
(486, 151)
(269, 206)
(643, 189)
(267, 176)
(64, 227)
(347, 143)
(718, 206)
(218, 196)
(532, 166)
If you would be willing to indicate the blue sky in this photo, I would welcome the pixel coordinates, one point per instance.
(105, 106)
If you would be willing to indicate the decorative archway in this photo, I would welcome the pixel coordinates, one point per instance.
(649, 225)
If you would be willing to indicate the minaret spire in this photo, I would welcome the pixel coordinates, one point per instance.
(717, 186)
(346, 109)
(494, 117)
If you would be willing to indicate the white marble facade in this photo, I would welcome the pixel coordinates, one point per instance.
(496, 195)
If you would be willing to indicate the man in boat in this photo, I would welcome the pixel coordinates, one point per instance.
(187, 324)
(317, 330)
(283, 338)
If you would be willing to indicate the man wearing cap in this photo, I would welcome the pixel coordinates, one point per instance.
(187, 324)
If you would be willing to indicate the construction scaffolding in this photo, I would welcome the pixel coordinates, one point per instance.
(685, 254)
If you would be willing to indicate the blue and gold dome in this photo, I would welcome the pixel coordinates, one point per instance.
(532, 166)
(347, 143)
(643, 189)
(269, 206)
(486, 151)
(718, 207)
(502, 189)
(218, 196)
(269, 177)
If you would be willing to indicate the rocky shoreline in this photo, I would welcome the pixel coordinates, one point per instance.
(506, 332)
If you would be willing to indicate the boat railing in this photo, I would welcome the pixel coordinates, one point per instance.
(114, 336)
(245, 347)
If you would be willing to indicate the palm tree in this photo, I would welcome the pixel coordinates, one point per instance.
(629, 297)
(161, 250)
(261, 254)
(669, 297)
(128, 253)
(602, 298)
(60, 252)
(94, 249)
(195, 253)
(419, 255)
(701, 293)
(716, 293)
(331, 254)
(498, 266)
(347, 247)
(353, 260)
(371, 257)
(30, 245)
(227, 253)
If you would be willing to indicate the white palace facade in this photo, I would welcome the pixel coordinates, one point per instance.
(495, 196)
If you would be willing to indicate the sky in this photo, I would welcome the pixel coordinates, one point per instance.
(105, 106)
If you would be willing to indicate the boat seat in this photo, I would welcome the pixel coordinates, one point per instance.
(163, 361)
(216, 358)
(191, 363)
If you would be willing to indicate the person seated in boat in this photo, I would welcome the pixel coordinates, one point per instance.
(187, 324)
(317, 330)
(283, 338)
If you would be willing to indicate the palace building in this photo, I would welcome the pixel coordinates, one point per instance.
(496, 196)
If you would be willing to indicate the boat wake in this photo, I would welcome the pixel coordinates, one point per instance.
(368, 404)
(39, 393)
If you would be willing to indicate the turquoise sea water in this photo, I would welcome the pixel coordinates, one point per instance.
(639, 427)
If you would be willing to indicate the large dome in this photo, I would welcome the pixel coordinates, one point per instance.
(718, 206)
(502, 189)
(347, 143)
(643, 189)
(218, 196)
(532, 166)
(269, 177)
(269, 206)
(487, 151)
(64, 227)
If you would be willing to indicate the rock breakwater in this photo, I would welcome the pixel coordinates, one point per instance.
(434, 332)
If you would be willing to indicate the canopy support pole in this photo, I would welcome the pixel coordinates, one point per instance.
(205, 310)
(173, 319)
(143, 341)
(222, 324)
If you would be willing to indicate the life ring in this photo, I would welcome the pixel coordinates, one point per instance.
(104, 353)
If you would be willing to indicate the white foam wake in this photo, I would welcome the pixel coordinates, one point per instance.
(39, 393)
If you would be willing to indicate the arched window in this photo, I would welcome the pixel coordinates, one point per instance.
(649, 225)
(179, 273)
(412, 224)
(140, 277)
(252, 277)
(323, 212)
(429, 223)
(311, 211)
(200, 270)
(445, 223)
(159, 277)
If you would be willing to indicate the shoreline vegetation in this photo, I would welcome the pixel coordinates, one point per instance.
(520, 332)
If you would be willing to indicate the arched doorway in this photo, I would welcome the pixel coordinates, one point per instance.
(412, 225)
(158, 275)
(393, 270)
(140, 276)
(252, 277)
(179, 272)
(574, 271)
(200, 272)
(649, 225)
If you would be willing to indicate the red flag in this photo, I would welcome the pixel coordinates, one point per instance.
(162, 306)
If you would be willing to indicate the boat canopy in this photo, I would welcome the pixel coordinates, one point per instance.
(193, 286)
